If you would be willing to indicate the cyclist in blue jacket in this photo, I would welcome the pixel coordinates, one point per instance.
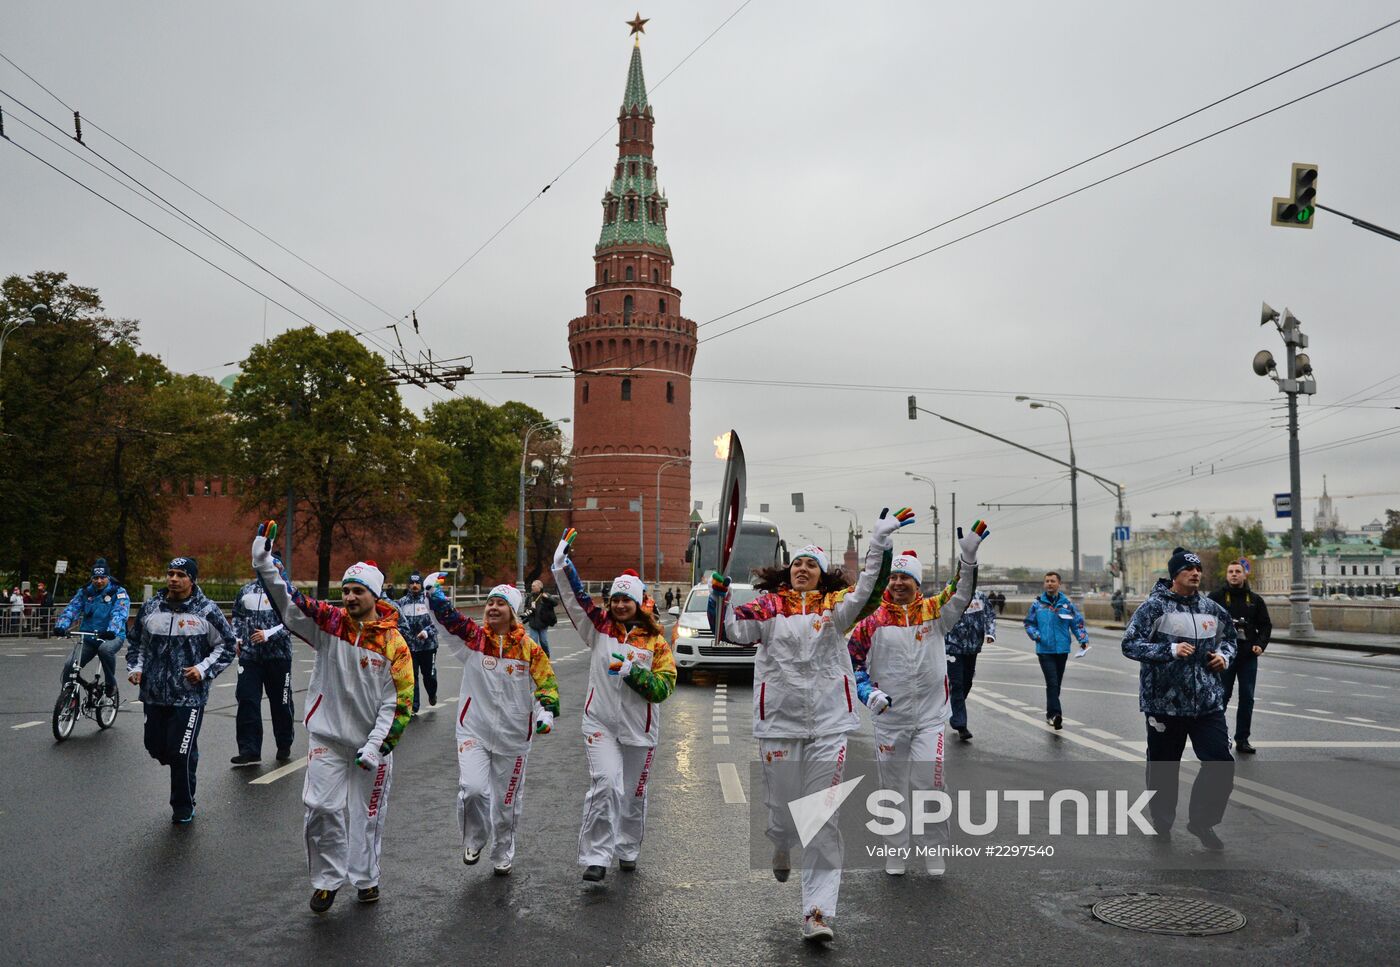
(100, 605)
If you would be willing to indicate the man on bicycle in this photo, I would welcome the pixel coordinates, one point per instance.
(102, 605)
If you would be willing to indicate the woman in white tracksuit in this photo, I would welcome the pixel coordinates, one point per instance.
(630, 671)
(804, 698)
(902, 677)
(508, 694)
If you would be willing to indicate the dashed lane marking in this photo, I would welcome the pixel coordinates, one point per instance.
(1284, 704)
(719, 727)
(1357, 718)
(1318, 711)
(721, 740)
(730, 785)
(1101, 734)
(443, 702)
(27, 725)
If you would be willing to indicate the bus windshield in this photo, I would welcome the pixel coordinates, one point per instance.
(757, 546)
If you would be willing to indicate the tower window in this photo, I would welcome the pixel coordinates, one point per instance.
(598, 306)
(627, 310)
(585, 392)
(605, 275)
(656, 277)
(670, 392)
(628, 274)
(627, 389)
(632, 168)
(661, 307)
(631, 209)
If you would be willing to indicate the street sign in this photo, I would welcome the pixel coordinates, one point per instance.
(458, 532)
(459, 520)
(60, 567)
(1283, 505)
(1122, 534)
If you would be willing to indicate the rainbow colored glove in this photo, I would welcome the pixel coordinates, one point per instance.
(883, 531)
(620, 665)
(719, 584)
(967, 546)
(561, 553)
(262, 543)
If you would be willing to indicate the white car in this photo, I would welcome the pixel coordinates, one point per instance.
(692, 642)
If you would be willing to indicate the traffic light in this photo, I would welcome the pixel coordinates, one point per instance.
(913, 408)
(1297, 210)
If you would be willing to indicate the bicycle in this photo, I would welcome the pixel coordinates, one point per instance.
(79, 696)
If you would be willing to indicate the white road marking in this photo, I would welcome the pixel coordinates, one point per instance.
(1357, 718)
(721, 740)
(443, 702)
(1311, 744)
(1284, 704)
(730, 785)
(1318, 711)
(26, 725)
(719, 727)
(283, 772)
(1101, 734)
(225, 684)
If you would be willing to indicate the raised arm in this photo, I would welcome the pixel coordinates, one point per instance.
(864, 598)
(459, 631)
(656, 683)
(588, 619)
(963, 587)
(300, 615)
(395, 702)
(746, 624)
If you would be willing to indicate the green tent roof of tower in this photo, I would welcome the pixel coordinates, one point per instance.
(636, 94)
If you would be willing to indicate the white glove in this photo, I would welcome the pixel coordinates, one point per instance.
(368, 758)
(423, 635)
(262, 551)
(434, 581)
(987, 639)
(561, 553)
(274, 630)
(878, 702)
(882, 534)
(620, 666)
(968, 545)
(544, 721)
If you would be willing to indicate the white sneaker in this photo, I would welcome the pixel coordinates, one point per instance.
(937, 865)
(470, 856)
(894, 866)
(815, 928)
(503, 869)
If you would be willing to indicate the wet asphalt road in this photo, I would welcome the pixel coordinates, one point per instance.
(95, 873)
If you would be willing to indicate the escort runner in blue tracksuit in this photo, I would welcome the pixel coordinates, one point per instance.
(1054, 623)
(264, 666)
(100, 605)
(179, 645)
(976, 627)
(1184, 641)
(419, 631)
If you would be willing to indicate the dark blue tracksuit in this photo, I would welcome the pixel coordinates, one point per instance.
(963, 644)
(264, 667)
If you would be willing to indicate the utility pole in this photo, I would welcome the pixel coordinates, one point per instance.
(933, 507)
(1058, 407)
(1299, 379)
(668, 463)
(520, 523)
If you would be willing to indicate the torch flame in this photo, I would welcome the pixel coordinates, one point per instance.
(722, 446)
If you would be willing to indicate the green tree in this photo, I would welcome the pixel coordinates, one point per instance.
(1391, 536)
(318, 413)
(1240, 539)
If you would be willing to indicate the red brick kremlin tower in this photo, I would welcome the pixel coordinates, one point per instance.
(632, 354)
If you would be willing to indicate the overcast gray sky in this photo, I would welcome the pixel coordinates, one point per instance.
(385, 143)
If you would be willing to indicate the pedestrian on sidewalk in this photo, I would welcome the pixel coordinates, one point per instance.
(538, 615)
(1055, 625)
(1119, 603)
(976, 627)
(264, 666)
(670, 599)
(804, 697)
(508, 694)
(357, 705)
(1183, 641)
(1253, 629)
(421, 634)
(630, 671)
(178, 626)
(902, 677)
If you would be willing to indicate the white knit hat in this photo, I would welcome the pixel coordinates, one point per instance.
(629, 584)
(907, 562)
(816, 554)
(508, 593)
(366, 573)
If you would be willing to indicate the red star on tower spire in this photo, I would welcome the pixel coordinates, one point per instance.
(638, 25)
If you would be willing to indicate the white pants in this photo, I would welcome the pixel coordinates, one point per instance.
(490, 790)
(911, 761)
(345, 810)
(615, 809)
(793, 768)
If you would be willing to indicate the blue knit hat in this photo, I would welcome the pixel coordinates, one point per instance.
(187, 564)
(1180, 560)
(99, 568)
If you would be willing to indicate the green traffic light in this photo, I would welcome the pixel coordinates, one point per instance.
(1304, 215)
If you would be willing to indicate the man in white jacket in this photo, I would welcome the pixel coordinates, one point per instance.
(359, 700)
(901, 672)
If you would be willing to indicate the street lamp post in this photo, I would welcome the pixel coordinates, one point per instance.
(1059, 408)
(668, 463)
(520, 523)
(934, 508)
(855, 517)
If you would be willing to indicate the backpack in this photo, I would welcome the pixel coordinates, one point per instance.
(546, 609)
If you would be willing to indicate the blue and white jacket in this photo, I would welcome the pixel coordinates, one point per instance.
(169, 637)
(1179, 686)
(978, 623)
(252, 612)
(1055, 624)
(100, 610)
(417, 618)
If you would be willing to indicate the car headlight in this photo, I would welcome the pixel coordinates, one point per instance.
(684, 631)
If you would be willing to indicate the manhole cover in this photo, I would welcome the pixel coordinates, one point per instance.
(1174, 915)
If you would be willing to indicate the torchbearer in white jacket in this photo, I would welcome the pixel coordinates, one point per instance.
(508, 694)
(630, 671)
(804, 698)
(359, 700)
(901, 668)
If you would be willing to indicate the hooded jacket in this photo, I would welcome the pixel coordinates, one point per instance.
(100, 609)
(361, 689)
(900, 650)
(1253, 626)
(253, 611)
(417, 618)
(977, 624)
(170, 636)
(804, 685)
(1054, 623)
(494, 706)
(624, 708)
(1179, 686)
